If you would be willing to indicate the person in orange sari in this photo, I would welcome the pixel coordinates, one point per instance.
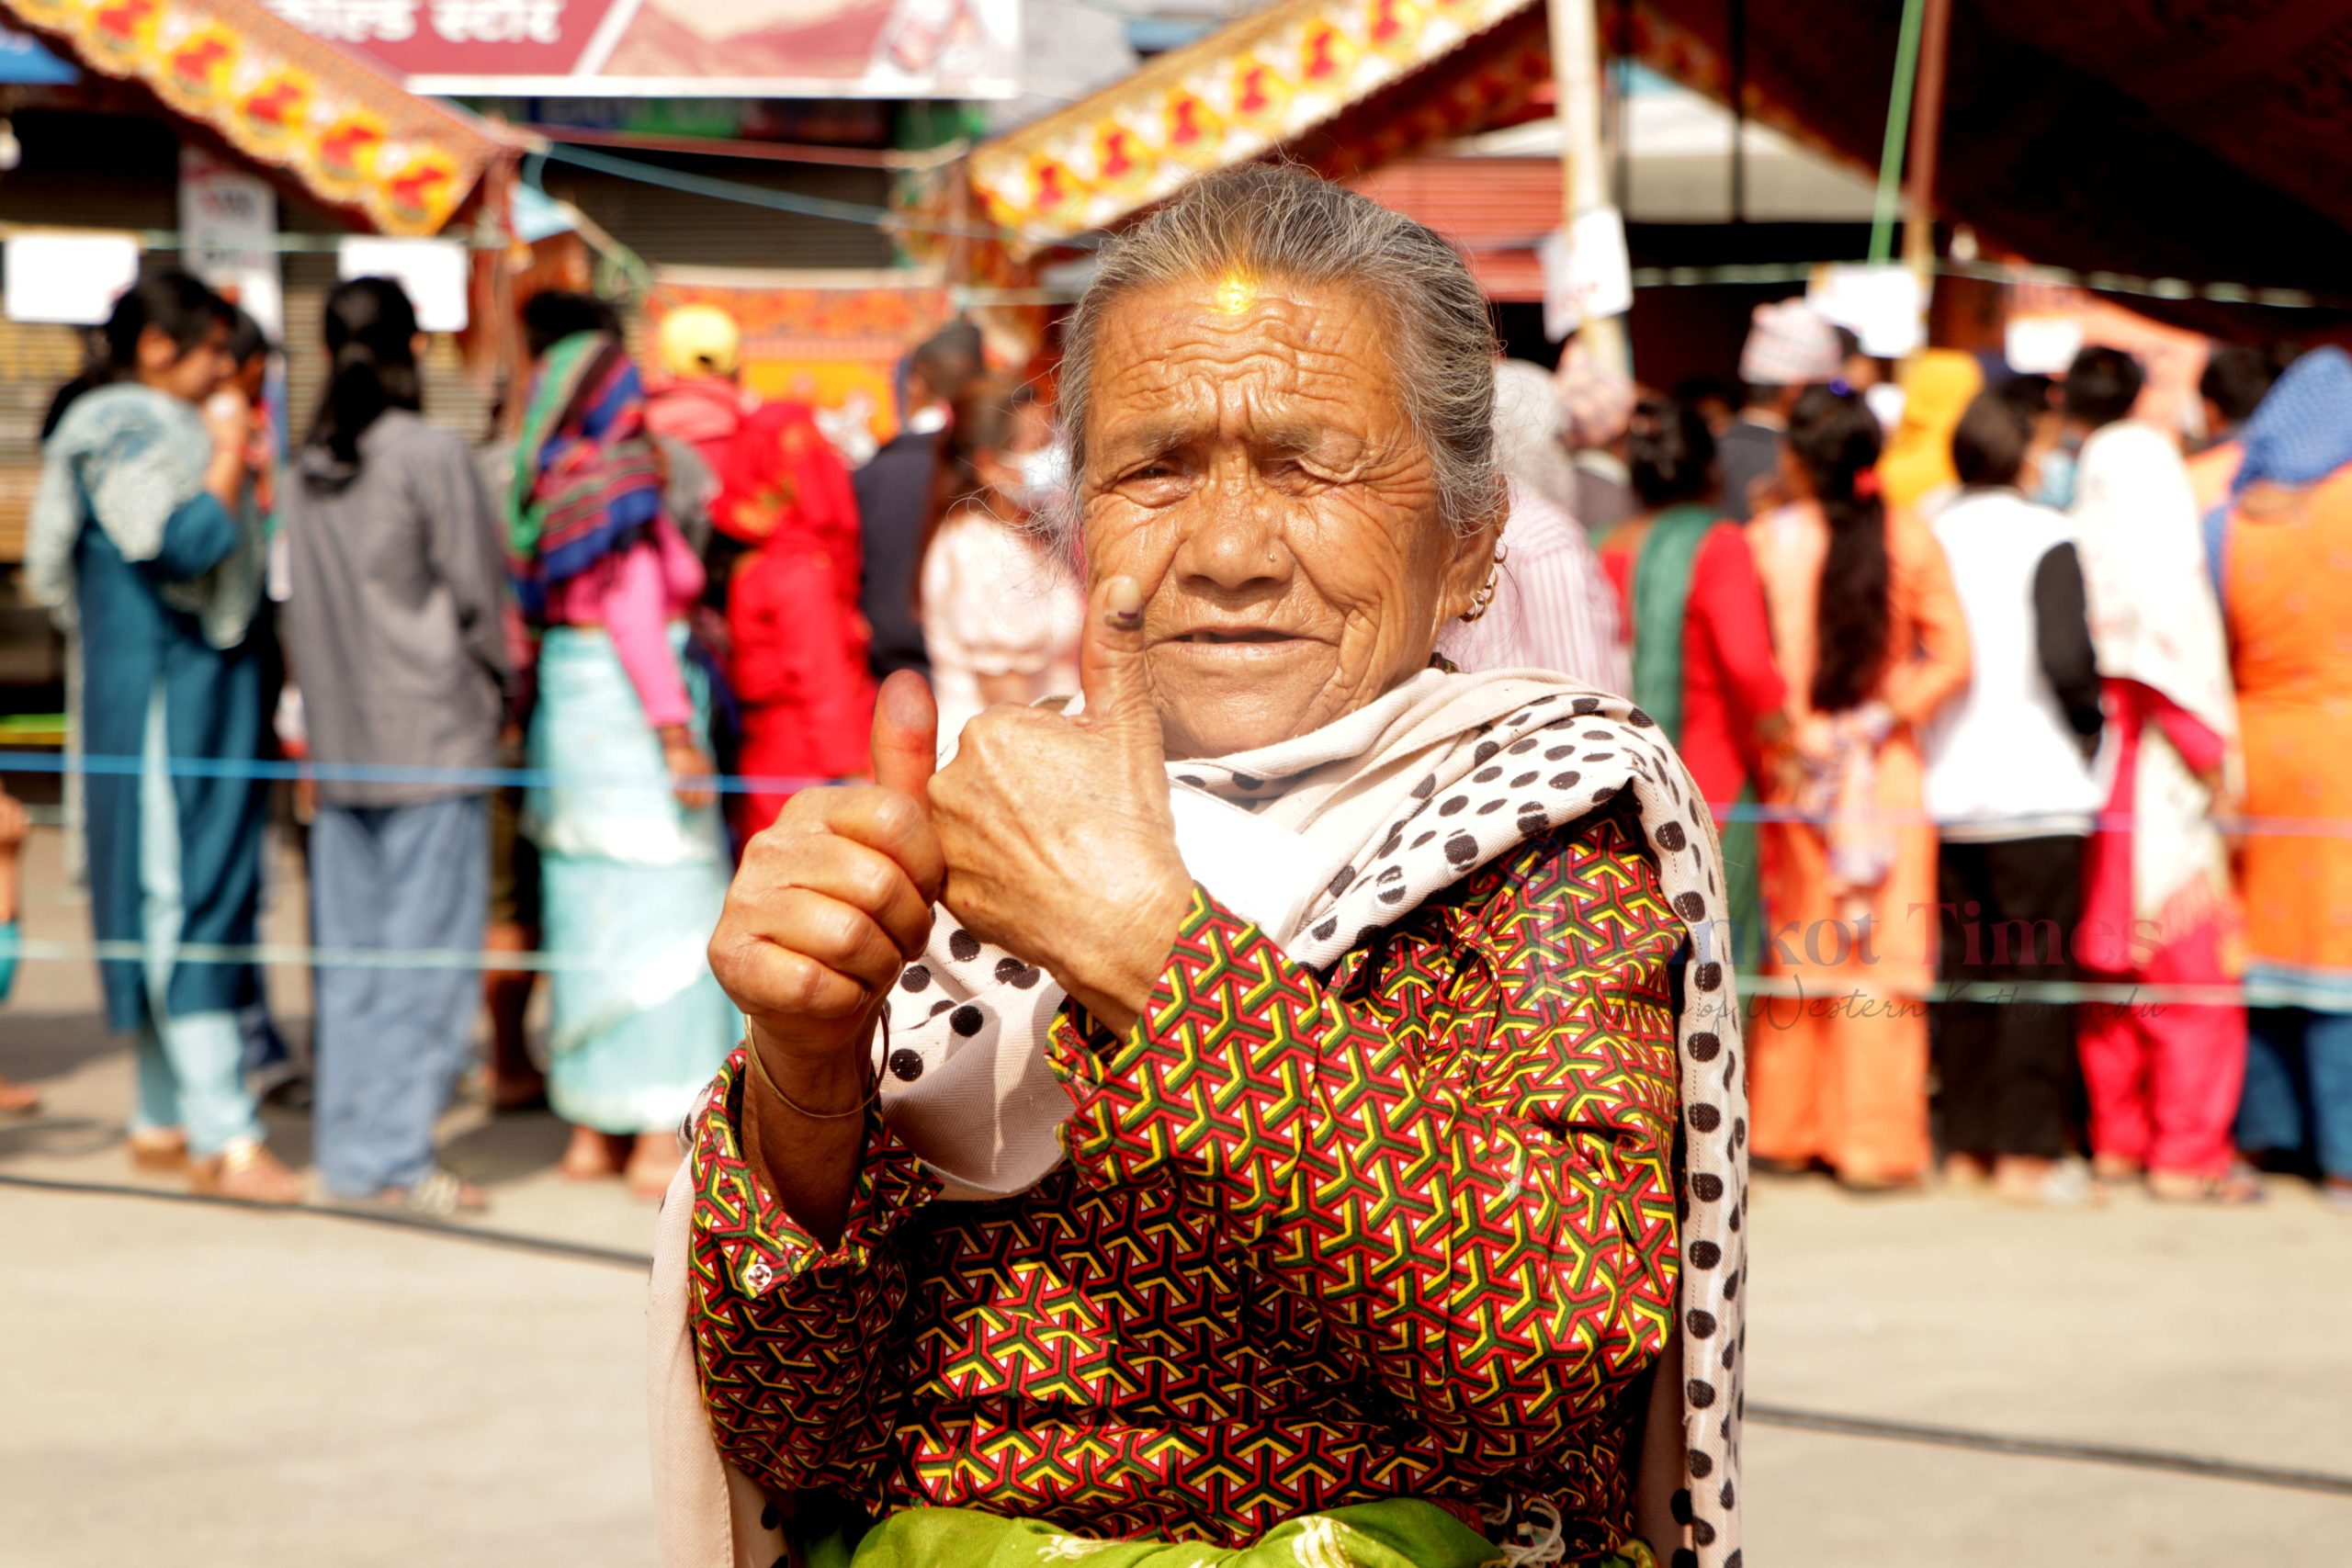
(1870, 639)
(2282, 546)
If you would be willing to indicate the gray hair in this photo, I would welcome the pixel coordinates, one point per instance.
(1280, 222)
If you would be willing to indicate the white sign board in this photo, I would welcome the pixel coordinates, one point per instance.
(69, 278)
(1587, 273)
(2041, 346)
(435, 273)
(1881, 305)
(229, 235)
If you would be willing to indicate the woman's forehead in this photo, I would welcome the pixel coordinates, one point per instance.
(1205, 350)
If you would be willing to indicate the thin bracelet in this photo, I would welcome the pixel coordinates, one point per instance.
(873, 1092)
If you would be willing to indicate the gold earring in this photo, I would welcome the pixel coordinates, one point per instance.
(1485, 600)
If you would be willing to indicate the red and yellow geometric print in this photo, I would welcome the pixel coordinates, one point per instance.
(1407, 1230)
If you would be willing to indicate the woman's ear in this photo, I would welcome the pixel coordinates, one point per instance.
(1470, 561)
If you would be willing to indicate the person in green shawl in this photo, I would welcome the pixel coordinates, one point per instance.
(1702, 651)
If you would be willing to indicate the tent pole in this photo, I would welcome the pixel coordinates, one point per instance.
(1575, 82)
(1927, 131)
(1738, 24)
(1898, 121)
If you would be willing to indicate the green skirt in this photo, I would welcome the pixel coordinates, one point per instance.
(1399, 1532)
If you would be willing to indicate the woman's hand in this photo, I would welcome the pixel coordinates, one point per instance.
(687, 761)
(830, 903)
(1059, 841)
(827, 907)
(228, 420)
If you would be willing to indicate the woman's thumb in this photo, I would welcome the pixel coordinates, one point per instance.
(906, 736)
(1110, 660)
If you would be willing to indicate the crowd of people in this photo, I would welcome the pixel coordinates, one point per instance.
(1978, 673)
(2014, 721)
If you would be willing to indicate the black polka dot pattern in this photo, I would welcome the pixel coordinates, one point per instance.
(1569, 753)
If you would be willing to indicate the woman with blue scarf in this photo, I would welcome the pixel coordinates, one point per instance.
(2278, 548)
(139, 545)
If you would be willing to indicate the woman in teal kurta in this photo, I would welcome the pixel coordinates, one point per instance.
(137, 544)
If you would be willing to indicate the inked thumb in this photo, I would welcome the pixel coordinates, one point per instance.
(906, 736)
(1111, 662)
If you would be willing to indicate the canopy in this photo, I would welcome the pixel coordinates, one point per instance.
(350, 136)
(2207, 139)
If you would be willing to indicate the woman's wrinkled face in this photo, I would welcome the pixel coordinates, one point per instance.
(1250, 463)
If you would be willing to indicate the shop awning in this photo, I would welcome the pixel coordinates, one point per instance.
(1300, 71)
(352, 137)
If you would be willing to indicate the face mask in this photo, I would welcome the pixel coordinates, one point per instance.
(2057, 490)
(927, 421)
(1039, 476)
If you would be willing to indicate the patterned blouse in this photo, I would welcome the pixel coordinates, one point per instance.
(1407, 1229)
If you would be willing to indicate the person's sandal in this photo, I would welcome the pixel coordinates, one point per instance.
(441, 1195)
(247, 1172)
(2049, 1184)
(2239, 1185)
(161, 1151)
(2115, 1170)
(591, 1155)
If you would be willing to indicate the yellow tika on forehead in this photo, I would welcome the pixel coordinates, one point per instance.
(1234, 293)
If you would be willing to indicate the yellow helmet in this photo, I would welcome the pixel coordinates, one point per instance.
(699, 339)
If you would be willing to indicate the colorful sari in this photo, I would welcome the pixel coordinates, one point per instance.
(587, 477)
(632, 880)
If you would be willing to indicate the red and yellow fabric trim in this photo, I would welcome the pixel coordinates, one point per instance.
(1233, 96)
(352, 136)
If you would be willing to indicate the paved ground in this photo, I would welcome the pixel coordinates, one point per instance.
(203, 1387)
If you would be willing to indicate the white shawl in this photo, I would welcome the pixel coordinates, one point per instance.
(1321, 840)
(2155, 619)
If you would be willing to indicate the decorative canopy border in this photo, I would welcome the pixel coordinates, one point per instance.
(1236, 94)
(353, 137)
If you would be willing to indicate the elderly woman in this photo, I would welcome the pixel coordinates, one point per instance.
(1287, 1106)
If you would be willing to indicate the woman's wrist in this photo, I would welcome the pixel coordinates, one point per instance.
(225, 478)
(1116, 980)
(809, 1087)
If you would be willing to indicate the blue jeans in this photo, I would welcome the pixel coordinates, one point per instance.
(392, 1041)
(2299, 1085)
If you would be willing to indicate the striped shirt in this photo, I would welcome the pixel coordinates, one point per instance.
(1553, 608)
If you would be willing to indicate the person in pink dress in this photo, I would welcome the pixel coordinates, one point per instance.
(2163, 1076)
